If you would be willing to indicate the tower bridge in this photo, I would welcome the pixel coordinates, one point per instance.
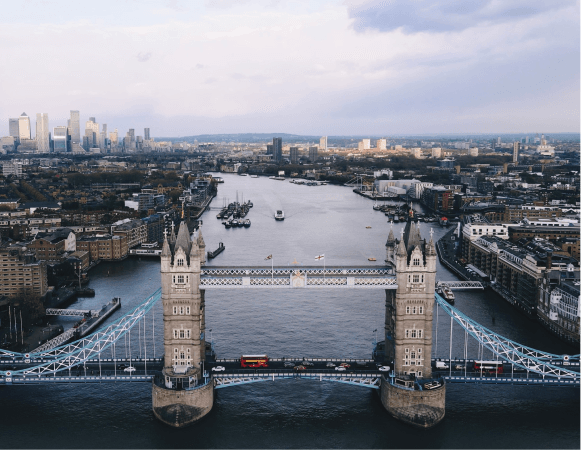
(183, 382)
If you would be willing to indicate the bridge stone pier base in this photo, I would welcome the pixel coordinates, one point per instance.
(419, 408)
(180, 408)
(182, 395)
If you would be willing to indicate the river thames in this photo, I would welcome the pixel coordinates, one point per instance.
(329, 220)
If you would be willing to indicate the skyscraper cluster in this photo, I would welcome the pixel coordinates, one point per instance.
(68, 139)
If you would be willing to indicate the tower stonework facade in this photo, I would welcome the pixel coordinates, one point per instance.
(408, 330)
(182, 395)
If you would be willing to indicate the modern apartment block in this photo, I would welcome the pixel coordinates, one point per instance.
(20, 272)
(134, 231)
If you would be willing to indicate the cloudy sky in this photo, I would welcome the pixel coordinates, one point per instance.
(365, 67)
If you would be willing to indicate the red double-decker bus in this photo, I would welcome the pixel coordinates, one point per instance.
(254, 361)
(488, 366)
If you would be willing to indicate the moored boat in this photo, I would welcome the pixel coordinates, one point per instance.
(279, 215)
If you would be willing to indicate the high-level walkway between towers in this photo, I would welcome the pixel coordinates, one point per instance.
(351, 277)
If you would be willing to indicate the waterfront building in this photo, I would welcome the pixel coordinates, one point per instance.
(155, 226)
(134, 231)
(20, 272)
(436, 152)
(438, 198)
(515, 149)
(104, 247)
(277, 149)
(313, 154)
(52, 245)
(323, 144)
(381, 144)
(294, 155)
(42, 133)
(473, 151)
(146, 134)
(516, 269)
(558, 306)
(24, 131)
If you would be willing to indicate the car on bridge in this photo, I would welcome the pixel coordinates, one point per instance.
(347, 366)
(129, 369)
(299, 368)
(218, 369)
(383, 368)
(289, 364)
(330, 364)
(308, 363)
(341, 368)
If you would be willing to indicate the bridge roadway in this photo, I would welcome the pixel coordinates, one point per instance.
(364, 373)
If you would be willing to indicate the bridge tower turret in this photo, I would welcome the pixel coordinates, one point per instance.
(182, 395)
(408, 331)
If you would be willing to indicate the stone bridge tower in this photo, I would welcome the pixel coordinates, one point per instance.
(408, 330)
(182, 395)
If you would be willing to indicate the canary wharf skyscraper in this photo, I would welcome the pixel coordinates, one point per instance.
(75, 127)
(42, 133)
(24, 127)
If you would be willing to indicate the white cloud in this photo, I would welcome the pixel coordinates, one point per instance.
(298, 68)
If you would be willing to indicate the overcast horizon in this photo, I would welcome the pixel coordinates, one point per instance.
(337, 68)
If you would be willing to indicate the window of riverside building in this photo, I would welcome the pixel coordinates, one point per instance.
(416, 278)
(416, 261)
(407, 309)
(421, 310)
(180, 279)
(182, 334)
(181, 310)
(180, 262)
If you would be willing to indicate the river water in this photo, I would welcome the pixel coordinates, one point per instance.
(329, 220)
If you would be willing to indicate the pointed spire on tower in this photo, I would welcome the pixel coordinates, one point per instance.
(431, 247)
(165, 251)
(390, 237)
(200, 237)
(172, 236)
(401, 250)
(183, 239)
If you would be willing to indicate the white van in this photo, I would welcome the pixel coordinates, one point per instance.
(442, 365)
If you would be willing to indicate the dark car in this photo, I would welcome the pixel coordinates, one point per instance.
(300, 367)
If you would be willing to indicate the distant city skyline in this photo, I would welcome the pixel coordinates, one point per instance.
(327, 68)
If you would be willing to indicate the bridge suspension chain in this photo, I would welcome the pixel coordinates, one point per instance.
(525, 357)
(67, 356)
